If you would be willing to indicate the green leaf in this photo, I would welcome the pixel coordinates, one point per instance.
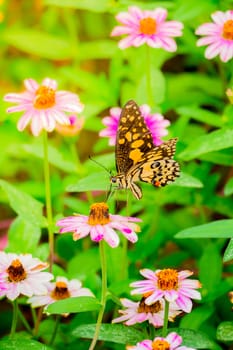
(56, 158)
(210, 277)
(23, 236)
(90, 5)
(228, 254)
(195, 339)
(225, 331)
(213, 141)
(200, 114)
(197, 317)
(115, 333)
(84, 263)
(228, 189)
(99, 181)
(25, 344)
(76, 304)
(186, 180)
(24, 205)
(214, 229)
(39, 43)
(97, 49)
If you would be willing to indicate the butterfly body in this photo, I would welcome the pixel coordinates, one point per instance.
(137, 158)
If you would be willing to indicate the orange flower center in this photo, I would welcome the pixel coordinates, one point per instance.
(147, 26)
(153, 308)
(228, 30)
(16, 272)
(45, 98)
(99, 214)
(167, 279)
(160, 345)
(60, 291)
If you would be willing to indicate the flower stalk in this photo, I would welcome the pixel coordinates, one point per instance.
(103, 294)
(48, 200)
(14, 318)
(165, 320)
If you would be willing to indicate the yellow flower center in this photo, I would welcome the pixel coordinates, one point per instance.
(160, 345)
(45, 98)
(60, 291)
(153, 308)
(99, 214)
(147, 26)
(16, 272)
(167, 279)
(228, 30)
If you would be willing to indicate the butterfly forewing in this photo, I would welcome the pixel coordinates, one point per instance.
(133, 138)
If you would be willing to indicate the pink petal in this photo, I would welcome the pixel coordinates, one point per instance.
(168, 44)
(111, 237)
(184, 303)
(174, 339)
(126, 42)
(213, 50)
(226, 52)
(31, 85)
(97, 233)
(206, 40)
(120, 30)
(219, 17)
(24, 120)
(49, 83)
(160, 14)
(208, 29)
(36, 125)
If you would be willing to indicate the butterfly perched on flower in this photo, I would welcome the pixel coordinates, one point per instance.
(137, 158)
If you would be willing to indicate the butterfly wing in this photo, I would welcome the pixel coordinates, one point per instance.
(157, 166)
(134, 139)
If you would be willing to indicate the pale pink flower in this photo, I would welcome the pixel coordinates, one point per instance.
(147, 27)
(171, 342)
(44, 106)
(74, 127)
(59, 290)
(169, 284)
(100, 225)
(155, 123)
(23, 274)
(138, 312)
(3, 285)
(218, 36)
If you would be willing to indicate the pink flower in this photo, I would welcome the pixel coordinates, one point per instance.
(138, 312)
(155, 123)
(43, 105)
(100, 225)
(61, 289)
(23, 274)
(218, 35)
(171, 342)
(74, 127)
(147, 27)
(3, 285)
(170, 285)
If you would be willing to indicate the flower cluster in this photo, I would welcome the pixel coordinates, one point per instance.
(155, 123)
(151, 28)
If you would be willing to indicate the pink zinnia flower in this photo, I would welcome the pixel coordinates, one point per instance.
(171, 342)
(170, 285)
(147, 27)
(138, 312)
(44, 106)
(100, 225)
(74, 127)
(218, 35)
(155, 123)
(3, 285)
(61, 289)
(23, 274)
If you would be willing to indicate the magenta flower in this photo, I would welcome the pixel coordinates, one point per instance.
(168, 284)
(23, 274)
(43, 105)
(100, 225)
(155, 123)
(61, 289)
(138, 312)
(147, 27)
(218, 35)
(171, 342)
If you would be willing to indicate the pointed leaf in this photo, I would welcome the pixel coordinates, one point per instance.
(22, 343)
(76, 304)
(228, 254)
(225, 331)
(214, 229)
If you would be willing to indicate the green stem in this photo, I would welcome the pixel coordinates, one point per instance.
(148, 77)
(14, 318)
(24, 321)
(38, 319)
(103, 294)
(57, 322)
(48, 200)
(165, 321)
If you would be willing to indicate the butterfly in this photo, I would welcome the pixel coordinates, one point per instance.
(137, 158)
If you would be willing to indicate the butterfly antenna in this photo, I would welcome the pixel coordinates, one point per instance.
(101, 165)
